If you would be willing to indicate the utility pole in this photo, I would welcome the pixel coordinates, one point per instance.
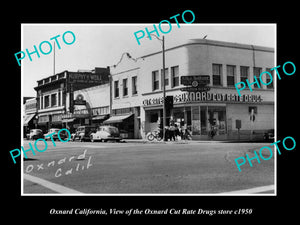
(164, 89)
(54, 60)
(163, 82)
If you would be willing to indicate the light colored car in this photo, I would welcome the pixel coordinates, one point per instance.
(105, 133)
(35, 134)
(62, 134)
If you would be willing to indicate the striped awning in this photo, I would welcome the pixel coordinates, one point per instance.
(117, 119)
(27, 119)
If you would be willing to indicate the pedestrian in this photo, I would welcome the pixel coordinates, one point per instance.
(177, 133)
(172, 132)
(188, 135)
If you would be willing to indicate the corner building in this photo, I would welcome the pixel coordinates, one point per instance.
(226, 63)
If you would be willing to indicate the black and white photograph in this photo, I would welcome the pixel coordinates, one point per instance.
(149, 115)
(131, 112)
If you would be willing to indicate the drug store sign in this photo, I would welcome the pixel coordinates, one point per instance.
(206, 97)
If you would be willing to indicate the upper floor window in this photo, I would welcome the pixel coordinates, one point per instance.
(244, 70)
(231, 75)
(269, 79)
(166, 76)
(175, 76)
(217, 73)
(256, 72)
(155, 80)
(116, 90)
(125, 87)
(46, 101)
(53, 99)
(134, 85)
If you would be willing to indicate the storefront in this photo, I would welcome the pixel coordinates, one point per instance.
(138, 83)
(84, 117)
(216, 110)
(126, 120)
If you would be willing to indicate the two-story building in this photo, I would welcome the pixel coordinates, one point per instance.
(137, 89)
(55, 95)
(126, 97)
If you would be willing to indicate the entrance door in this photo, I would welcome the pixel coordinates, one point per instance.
(217, 119)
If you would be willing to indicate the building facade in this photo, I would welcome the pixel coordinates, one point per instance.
(126, 97)
(29, 114)
(137, 85)
(54, 94)
(92, 107)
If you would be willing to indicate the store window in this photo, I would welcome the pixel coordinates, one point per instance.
(217, 119)
(175, 76)
(231, 75)
(206, 118)
(153, 117)
(196, 125)
(155, 80)
(217, 74)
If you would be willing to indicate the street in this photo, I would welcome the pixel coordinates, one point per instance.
(146, 168)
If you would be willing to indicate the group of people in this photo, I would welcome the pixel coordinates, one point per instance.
(174, 131)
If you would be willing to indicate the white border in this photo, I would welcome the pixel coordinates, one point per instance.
(231, 193)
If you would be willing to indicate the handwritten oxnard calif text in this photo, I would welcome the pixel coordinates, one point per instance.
(59, 136)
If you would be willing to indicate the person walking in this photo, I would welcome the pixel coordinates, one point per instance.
(172, 132)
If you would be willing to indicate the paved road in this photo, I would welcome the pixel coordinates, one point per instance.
(139, 168)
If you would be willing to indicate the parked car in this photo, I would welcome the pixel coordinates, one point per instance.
(105, 133)
(63, 135)
(269, 135)
(35, 134)
(83, 133)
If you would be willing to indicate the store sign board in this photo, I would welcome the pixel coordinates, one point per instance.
(195, 89)
(74, 115)
(81, 77)
(190, 97)
(192, 80)
(79, 100)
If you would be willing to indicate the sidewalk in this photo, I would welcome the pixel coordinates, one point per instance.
(143, 141)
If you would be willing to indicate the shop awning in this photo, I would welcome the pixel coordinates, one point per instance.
(99, 117)
(27, 119)
(117, 119)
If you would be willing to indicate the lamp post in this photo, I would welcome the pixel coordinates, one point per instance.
(163, 82)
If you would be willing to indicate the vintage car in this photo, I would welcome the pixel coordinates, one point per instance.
(63, 135)
(105, 133)
(83, 133)
(35, 134)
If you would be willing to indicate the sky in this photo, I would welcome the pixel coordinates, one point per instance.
(102, 45)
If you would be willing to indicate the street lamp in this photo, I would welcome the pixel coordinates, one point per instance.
(163, 82)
